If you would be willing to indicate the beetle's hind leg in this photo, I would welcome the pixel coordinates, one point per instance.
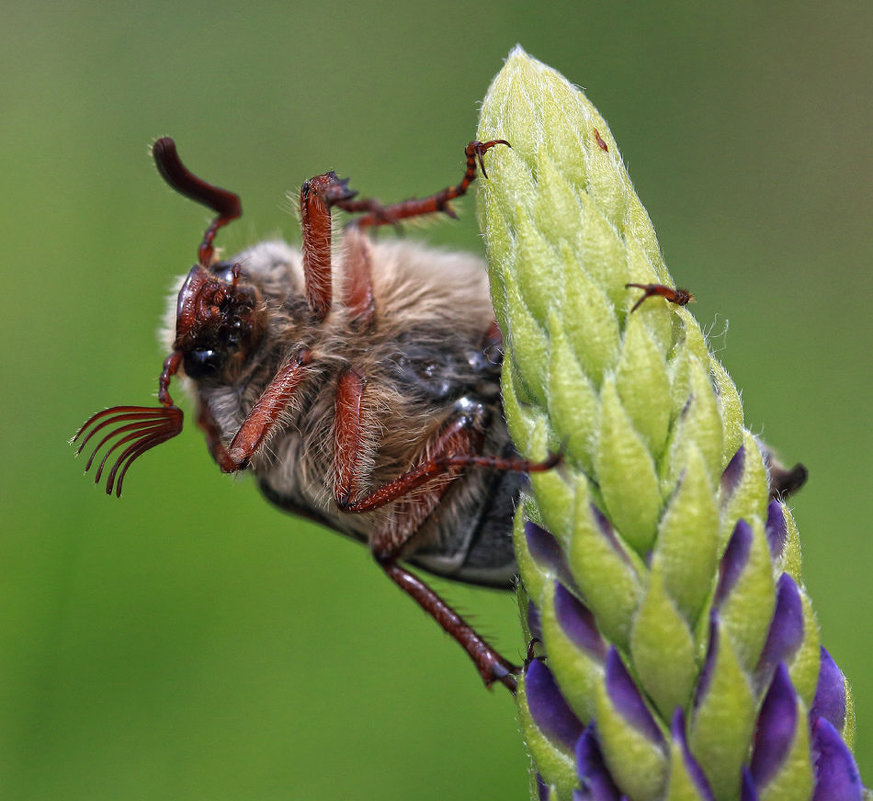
(490, 664)
(416, 494)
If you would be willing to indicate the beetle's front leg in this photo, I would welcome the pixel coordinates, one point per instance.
(212, 433)
(260, 420)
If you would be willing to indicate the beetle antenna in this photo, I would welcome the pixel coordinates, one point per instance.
(142, 427)
(226, 204)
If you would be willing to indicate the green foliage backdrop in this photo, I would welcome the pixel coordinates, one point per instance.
(189, 642)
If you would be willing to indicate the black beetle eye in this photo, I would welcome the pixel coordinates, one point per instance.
(204, 363)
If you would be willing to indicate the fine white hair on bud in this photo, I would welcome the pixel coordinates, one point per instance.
(675, 653)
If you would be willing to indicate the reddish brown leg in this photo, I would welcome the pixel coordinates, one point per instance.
(490, 664)
(453, 448)
(377, 214)
(349, 435)
(317, 196)
(437, 466)
(266, 411)
(492, 344)
(680, 297)
(399, 530)
(260, 420)
(460, 435)
(357, 284)
(210, 429)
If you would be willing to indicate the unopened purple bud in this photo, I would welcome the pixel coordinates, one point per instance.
(836, 774)
(711, 655)
(735, 558)
(578, 623)
(830, 693)
(608, 532)
(775, 731)
(786, 628)
(733, 473)
(627, 699)
(677, 729)
(548, 707)
(776, 529)
(542, 788)
(547, 552)
(747, 789)
(596, 781)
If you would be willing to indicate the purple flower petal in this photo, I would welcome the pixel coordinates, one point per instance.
(609, 533)
(732, 474)
(708, 663)
(547, 552)
(542, 789)
(786, 629)
(677, 729)
(578, 623)
(836, 774)
(534, 623)
(748, 791)
(734, 561)
(548, 707)
(830, 693)
(775, 729)
(627, 699)
(776, 529)
(596, 781)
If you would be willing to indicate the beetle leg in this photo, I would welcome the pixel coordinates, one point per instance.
(210, 429)
(438, 466)
(357, 283)
(461, 434)
(446, 453)
(349, 435)
(680, 297)
(317, 196)
(376, 214)
(491, 665)
(260, 420)
(453, 448)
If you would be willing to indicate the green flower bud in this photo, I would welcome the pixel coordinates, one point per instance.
(662, 581)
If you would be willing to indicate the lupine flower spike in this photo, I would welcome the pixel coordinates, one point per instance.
(675, 653)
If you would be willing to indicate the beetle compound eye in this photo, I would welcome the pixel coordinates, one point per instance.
(204, 363)
(140, 428)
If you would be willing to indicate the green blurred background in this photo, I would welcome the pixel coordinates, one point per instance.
(188, 642)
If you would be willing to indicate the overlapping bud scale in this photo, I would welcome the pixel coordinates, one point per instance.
(676, 654)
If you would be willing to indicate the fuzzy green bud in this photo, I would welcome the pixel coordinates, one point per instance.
(673, 620)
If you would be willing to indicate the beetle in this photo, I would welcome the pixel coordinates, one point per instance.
(359, 393)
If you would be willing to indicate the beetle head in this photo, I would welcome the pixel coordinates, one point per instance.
(217, 317)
